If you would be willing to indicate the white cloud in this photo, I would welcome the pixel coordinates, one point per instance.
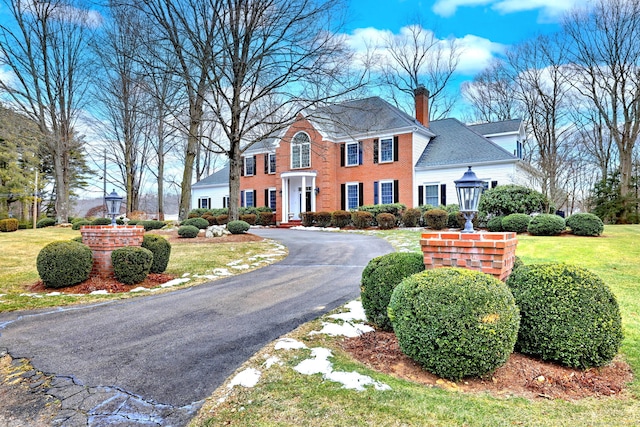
(476, 54)
(549, 9)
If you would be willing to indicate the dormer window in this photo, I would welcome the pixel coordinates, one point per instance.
(300, 151)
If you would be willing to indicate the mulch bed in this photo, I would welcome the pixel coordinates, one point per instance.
(521, 376)
(110, 285)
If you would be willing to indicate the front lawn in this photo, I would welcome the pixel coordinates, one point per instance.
(282, 396)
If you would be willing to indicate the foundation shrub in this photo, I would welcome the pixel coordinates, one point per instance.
(266, 218)
(151, 224)
(101, 221)
(238, 227)
(131, 264)
(386, 221)
(8, 225)
(455, 322)
(211, 220)
(436, 219)
(461, 220)
(199, 223)
(585, 224)
(46, 222)
(516, 223)
(188, 231)
(308, 219)
(222, 219)
(322, 219)
(340, 218)
(495, 224)
(161, 250)
(411, 217)
(78, 224)
(509, 199)
(395, 209)
(546, 225)
(380, 277)
(249, 218)
(63, 264)
(362, 219)
(569, 315)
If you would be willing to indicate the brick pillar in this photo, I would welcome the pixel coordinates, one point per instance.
(103, 239)
(491, 253)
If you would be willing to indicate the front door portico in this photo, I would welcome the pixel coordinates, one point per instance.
(298, 194)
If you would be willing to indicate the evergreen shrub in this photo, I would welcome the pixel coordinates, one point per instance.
(266, 218)
(161, 250)
(222, 219)
(151, 224)
(585, 224)
(46, 222)
(63, 264)
(380, 277)
(455, 322)
(9, 224)
(199, 223)
(101, 221)
(249, 218)
(131, 264)
(340, 218)
(546, 225)
(188, 231)
(569, 315)
(516, 223)
(77, 225)
(362, 219)
(386, 221)
(411, 217)
(238, 227)
(322, 219)
(211, 220)
(308, 219)
(509, 199)
(436, 219)
(495, 224)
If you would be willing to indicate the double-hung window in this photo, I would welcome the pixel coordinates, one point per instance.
(272, 163)
(431, 196)
(386, 192)
(386, 150)
(272, 198)
(249, 201)
(353, 196)
(300, 151)
(249, 166)
(353, 154)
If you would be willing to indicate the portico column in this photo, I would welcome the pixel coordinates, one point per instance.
(285, 200)
(313, 194)
(303, 199)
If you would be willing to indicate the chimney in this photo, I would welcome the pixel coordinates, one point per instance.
(422, 104)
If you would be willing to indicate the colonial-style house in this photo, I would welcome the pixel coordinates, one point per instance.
(367, 152)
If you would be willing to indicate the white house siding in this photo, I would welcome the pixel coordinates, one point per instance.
(217, 194)
(507, 142)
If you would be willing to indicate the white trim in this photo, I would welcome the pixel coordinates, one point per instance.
(346, 154)
(346, 194)
(301, 145)
(385, 181)
(392, 138)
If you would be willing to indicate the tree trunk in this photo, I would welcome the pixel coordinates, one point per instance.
(235, 167)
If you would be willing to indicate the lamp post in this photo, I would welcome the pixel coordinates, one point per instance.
(469, 189)
(113, 202)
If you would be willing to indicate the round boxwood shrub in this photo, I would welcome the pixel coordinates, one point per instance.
(131, 264)
(101, 221)
(249, 218)
(161, 250)
(510, 199)
(8, 225)
(340, 218)
(266, 218)
(495, 224)
(78, 224)
(151, 224)
(455, 322)
(381, 275)
(546, 225)
(585, 224)
(308, 219)
(362, 219)
(222, 219)
(63, 264)
(322, 219)
(436, 218)
(46, 222)
(386, 221)
(516, 223)
(188, 231)
(517, 262)
(411, 217)
(200, 223)
(568, 315)
(238, 227)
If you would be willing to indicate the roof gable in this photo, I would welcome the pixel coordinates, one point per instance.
(220, 178)
(497, 128)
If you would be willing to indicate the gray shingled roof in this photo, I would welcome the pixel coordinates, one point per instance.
(361, 116)
(494, 128)
(220, 177)
(456, 144)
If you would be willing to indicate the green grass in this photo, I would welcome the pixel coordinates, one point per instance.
(20, 250)
(284, 397)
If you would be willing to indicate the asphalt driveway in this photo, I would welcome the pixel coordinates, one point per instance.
(152, 360)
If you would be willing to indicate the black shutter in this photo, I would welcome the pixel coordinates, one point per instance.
(360, 152)
(375, 150)
(342, 154)
(443, 194)
(396, 191)
(199, 203)
(395, 149)
(224, 202)
(376, 196)
(242, 169)
(266, 197)
(242, 198)
(255, 198)
(266, 164)
(421, 195)
(360, 194)
(255, 165)
(343, 189)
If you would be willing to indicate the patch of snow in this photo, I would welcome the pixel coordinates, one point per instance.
(139, 289)
(241, 267)
(274, 360)
(221, 272)
(355, 381)
(186, 275)
(318, 365)
(289, 344)
(100, 292)
(174, 282)
(53, 294)
(346, 329)
(302, 227)
(247, 378)
(356, 312)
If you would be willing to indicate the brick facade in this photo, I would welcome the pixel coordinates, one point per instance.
(491, 253)
(103, 239)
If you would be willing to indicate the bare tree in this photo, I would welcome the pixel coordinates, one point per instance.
(417, 57)
(275, 58)
(491, 94)
(604, 54)
(44, 45)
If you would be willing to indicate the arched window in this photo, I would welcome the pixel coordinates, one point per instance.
(300, 151)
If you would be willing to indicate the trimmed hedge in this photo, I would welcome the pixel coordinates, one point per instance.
(200, 223)
(495, 224)
(238, 227)
(151, 224)
(436, 219)
(516, 223)
(308, 219)
(362, 219)
(340, 218)
(585, 224)
(546, 225)
(101, 221)
(63, 264)
(386, 221)
(569, 315)
(322, 219)
(510, 199)
(161, 250)
(131, 264)
(77, 225)
(411, 217)
(46, 222)
(222, 219)
(188, 231)
(249, 218)
(455, 322)
(8, 225)
(266, 218)
(380, 277)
